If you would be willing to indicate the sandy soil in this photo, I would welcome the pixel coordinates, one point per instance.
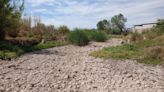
(70, 69)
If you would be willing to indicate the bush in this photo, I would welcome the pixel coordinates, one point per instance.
(7, 46)
(94, 35)
(99, 36)
(116, 31)
(134, 37)
(78, 37)
(89, 33)
(7, 55)
(9, 51)
(63, 29)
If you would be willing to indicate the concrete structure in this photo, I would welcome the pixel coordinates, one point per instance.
(143, 27)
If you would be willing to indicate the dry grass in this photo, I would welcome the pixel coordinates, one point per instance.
(133, 37)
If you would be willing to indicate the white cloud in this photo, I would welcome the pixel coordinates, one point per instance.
(86, 13)
(42, 11)
(39, 2)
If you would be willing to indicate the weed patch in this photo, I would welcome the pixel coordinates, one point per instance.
(10, 51)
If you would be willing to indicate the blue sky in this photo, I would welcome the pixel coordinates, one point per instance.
(86, 13)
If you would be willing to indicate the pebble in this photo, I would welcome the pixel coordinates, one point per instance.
(70, 68)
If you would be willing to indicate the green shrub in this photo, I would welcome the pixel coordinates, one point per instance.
(99, 36)
(7, 55)
(94, 35)
(89, 34)
(78, 37)
(10, 55)
(116, 31)
(6, 46)
(9, 50)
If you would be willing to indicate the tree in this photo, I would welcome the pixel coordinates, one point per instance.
(118, 22)
(10, 14)
(103, 25)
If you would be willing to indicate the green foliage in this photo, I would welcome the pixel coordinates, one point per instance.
(115, 26)
(103, 25)
(10, 14)
(118, 22)
(89, 33)
(11, 51)
(124, 51)
(99, 36)
(116, 31)
(78, 37)
(96, 35)
(7, 55)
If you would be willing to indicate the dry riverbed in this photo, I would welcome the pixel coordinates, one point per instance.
(71, 69)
